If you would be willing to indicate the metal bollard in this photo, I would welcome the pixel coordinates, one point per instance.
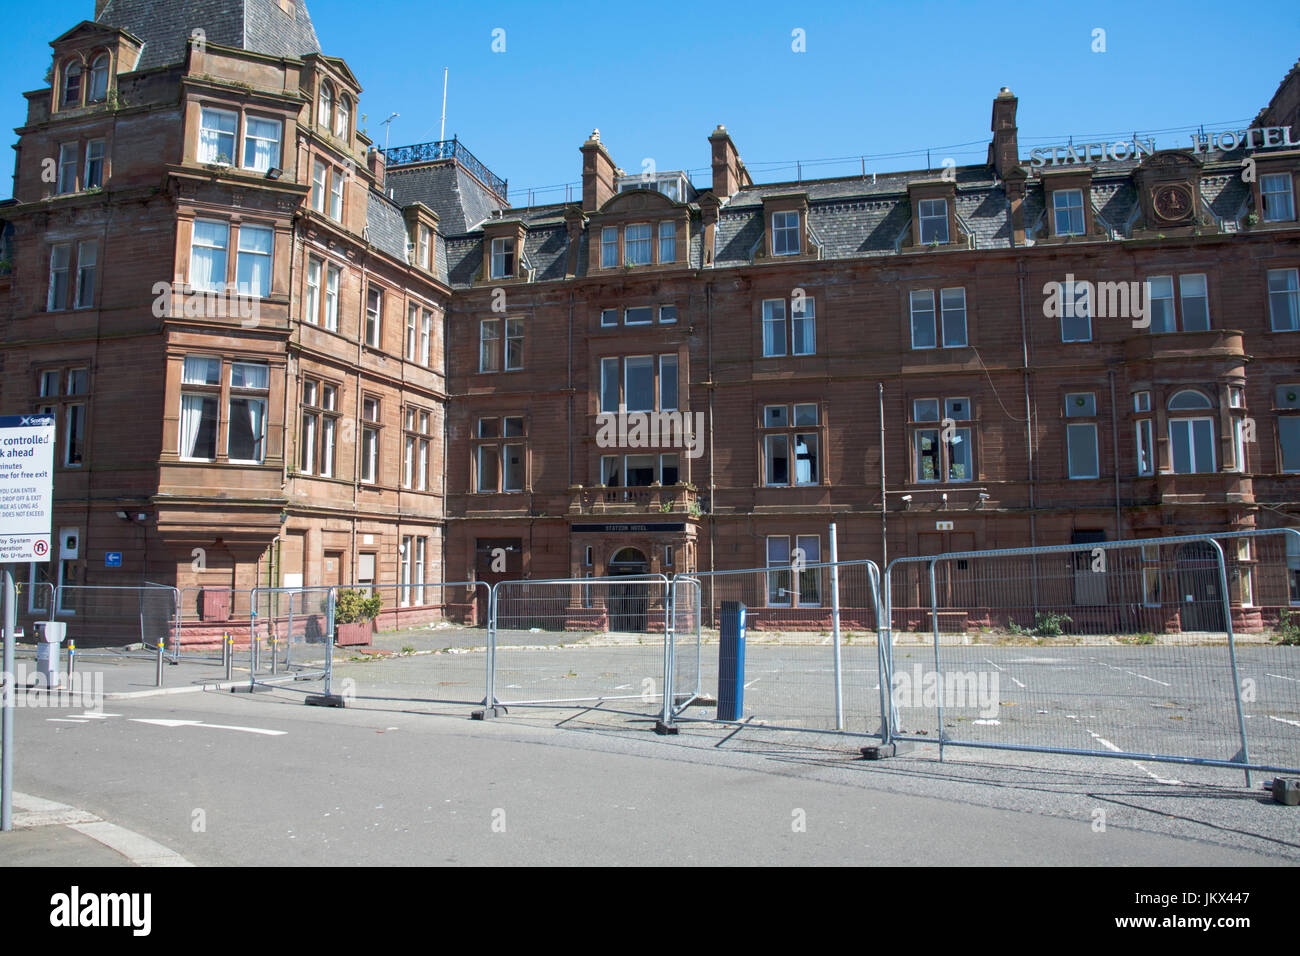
(274, 659)
(72, 660)
(162, 644)
(228, 646)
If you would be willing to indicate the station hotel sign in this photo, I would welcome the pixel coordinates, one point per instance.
(1260, 137)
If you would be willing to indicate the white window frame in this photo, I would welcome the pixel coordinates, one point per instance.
(785, 233)
(503, 258)
(1283, 196)
(1069, 202)
(931, 220)
(636, 249)
(1290, 279)
(211, 138)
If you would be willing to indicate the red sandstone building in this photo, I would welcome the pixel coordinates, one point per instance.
(368, 367)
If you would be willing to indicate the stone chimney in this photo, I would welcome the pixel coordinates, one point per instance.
(1004, 151)
(377, 163)
(598, 173)
(729, 173)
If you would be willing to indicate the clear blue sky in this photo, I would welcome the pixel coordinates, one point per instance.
(875, 78)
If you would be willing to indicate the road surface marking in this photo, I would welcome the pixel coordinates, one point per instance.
(1009, 677)
(160, 722)
(1154, 776)
(246, 730)
(66, 720)
(1293, 723)
(1134, 673)
(1280, 677)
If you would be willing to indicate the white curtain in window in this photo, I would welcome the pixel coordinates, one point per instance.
(253, 267)
(261, 144)
(191, 418)
(245, 375)
(200, 370)
(256, 416)
(208, 255)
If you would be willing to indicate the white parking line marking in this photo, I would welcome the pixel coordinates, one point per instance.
(97, 715)
(1110, 746)
(66, 720)
(1280, 677)
(1293, 723)
(1135, 674)
(1009, 677)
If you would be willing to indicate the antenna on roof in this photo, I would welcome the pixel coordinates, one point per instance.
(442, 127)
(388, 128)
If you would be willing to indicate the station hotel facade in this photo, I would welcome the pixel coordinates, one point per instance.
(277, 355)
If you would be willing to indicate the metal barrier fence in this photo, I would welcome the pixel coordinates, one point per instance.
(1117, 649)
(580, 640)
(811, 658)
(292, 634)
(214, 621)
(442, 626)
(103, 616)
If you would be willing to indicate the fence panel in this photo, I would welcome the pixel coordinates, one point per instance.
(209, 617)
(435, 638)
(292, 633)
(102, 616)
(797, 675)
(1104, 649)
(575, 641)
(1264, 584)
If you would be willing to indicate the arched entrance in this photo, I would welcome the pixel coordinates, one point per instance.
(628, 602)
(1200, 597)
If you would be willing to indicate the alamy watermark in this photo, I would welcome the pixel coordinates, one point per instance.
(84, 689)
(1082, 299)
(955, 690)
(624, 429)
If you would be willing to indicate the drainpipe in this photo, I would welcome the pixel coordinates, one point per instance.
(713, 501)
(1114, 444)
(1029, 413)
(570, 387)
(884, 511)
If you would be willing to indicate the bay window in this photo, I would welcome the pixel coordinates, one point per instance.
(1191, 438)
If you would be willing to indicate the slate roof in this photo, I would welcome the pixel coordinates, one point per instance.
(459, 199)
(848, 218)
(256, 25)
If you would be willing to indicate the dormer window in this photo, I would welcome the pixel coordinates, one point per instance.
(325, 107)
(785, 233)
(423, 245)
(1067, 207)
(503, 258)
(72, 83)
(934, 220)
(99, 78)
(1278, 197)
(342, 118)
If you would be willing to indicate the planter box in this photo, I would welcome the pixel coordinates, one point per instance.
(351, 634)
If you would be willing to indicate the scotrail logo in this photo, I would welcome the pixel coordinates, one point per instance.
(624, 429)
(75, 909)
(956, 690)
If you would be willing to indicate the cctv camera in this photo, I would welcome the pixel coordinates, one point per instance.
(907, 497)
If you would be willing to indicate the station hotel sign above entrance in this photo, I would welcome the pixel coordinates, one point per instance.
(1259, 137)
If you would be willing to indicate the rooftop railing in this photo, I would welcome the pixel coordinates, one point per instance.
(446, 149)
